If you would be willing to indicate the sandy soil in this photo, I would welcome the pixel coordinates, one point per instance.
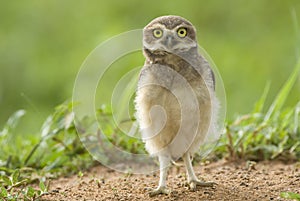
(235, 181)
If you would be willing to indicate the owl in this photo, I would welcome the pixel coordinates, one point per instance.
(176, 105)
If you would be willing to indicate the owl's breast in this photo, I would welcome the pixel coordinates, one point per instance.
(171, 102)
(177, 92)
(174, 77)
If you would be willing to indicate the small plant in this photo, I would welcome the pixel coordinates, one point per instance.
(57, 150)
(15, 188)
(80, 174)
(290, 195)
(260, 135)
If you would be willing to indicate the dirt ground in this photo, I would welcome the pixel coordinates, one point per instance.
(235, 181)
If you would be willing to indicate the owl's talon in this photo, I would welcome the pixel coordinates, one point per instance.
(159, 190)
(194, 183)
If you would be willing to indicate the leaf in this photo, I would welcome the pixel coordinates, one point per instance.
(3, 192)
(30, 192)
(12, 122)
(42, 186)
(46, 126)
(15, 176)
(6, 180)
(259, 105)
(19, 183)
(80, 174)
(296, 29)
(296, 118)
(290, 195)
(283, 93)
(5, 169)
(293, 148)
(68, 120)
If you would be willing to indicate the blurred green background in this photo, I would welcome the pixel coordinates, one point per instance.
(43, 44)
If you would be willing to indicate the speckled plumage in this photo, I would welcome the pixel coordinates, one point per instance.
(176, 103)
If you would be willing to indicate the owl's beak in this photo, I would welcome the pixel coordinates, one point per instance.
(169, 41)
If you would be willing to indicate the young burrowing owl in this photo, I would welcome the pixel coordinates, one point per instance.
(176, 103)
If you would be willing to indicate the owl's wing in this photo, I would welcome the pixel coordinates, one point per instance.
(205, 70)
(143, 70)
(213, 78)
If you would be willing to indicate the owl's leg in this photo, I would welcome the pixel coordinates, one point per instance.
(164, 162)
(191, 177)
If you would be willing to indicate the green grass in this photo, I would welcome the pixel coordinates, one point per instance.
(14, 188)
(56, 147)
(36, 158)
(259, 135)
(290, 195)
(263, 134)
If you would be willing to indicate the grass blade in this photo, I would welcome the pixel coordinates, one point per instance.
(283, 94)
(12, 122)
(259, 106)
(296, 118)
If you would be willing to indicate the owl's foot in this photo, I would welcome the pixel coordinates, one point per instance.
(194, 183)
(160, 190)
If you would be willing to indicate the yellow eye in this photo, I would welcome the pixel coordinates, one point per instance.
(157, 33)
(181, 32)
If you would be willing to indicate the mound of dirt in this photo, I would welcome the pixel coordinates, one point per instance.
(235, 181)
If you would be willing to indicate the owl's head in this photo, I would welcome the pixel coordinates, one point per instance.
(171, 34)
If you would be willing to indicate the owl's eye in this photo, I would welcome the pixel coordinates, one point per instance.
(157, 33)
(181, 32)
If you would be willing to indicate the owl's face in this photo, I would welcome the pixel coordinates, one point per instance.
(171, 34)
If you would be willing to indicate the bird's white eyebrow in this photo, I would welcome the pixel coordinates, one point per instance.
(161, 26)
(180, 26)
